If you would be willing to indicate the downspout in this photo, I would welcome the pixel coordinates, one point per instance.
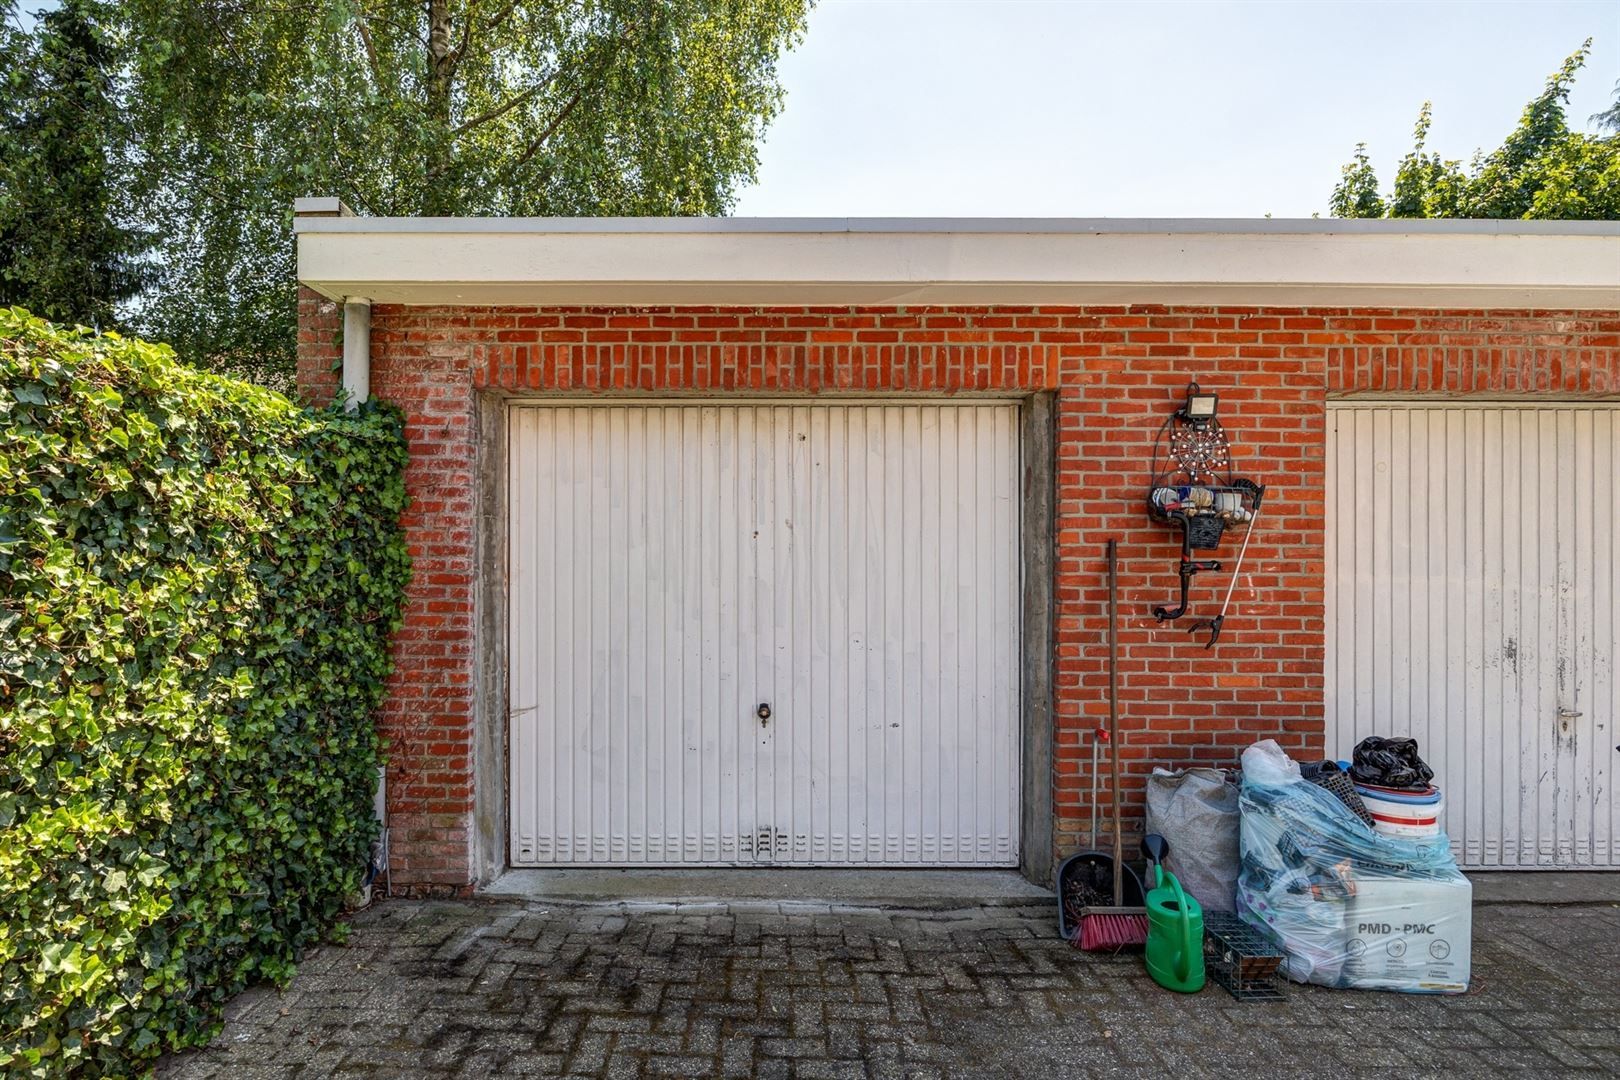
(356, 350)
(357, 389)
(379, 849)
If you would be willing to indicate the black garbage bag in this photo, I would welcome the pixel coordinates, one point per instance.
(1391, 763)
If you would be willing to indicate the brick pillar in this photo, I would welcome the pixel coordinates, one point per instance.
(320, 347)
(320, 323)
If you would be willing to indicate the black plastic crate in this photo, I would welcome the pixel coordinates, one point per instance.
(1240, 958)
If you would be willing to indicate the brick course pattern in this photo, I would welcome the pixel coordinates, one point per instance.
(1117, 372)
(320, 345)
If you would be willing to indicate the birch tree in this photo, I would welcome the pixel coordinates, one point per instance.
(424, 107)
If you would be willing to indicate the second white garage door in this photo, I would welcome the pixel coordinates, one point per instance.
(677, 571)
(1471, 603)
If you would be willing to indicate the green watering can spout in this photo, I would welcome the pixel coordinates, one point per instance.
(1175, 945)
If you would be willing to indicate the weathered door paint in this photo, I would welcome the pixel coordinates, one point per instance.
(1471, 553)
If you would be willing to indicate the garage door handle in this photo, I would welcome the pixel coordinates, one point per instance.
(1569, 714)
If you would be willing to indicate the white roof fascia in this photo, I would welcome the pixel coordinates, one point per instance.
(636, 262)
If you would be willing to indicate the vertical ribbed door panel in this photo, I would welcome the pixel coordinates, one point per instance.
(852, 566)
(1471, 603)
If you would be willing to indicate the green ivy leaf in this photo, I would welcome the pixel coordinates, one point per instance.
(187, 718)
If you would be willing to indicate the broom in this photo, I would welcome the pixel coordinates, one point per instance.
(1106, 929)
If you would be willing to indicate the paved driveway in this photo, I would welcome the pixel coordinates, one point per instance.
(509, 988)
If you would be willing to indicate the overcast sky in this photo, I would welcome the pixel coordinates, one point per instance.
(1068, 108)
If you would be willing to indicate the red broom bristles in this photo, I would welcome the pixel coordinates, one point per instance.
(1100, 932)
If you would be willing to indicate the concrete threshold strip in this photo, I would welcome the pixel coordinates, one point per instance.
(912, 889)
(921, 889)
(1546, 887)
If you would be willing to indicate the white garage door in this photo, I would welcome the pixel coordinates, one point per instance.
(854, 568)
(1471, 596)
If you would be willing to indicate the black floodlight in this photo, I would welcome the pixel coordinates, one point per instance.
(1199, 408)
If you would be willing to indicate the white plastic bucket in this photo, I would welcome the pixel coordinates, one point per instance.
(1411, 815)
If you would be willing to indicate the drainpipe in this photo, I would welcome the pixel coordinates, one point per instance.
(380, 855)
(356, 350)
(357, 388)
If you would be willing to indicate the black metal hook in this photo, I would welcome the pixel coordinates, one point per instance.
(1189, 567)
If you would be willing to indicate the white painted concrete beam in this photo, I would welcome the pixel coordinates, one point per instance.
(746, 262)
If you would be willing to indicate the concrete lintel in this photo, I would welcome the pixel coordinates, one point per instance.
(1381, 268)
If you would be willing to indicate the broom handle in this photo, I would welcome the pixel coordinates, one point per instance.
(1113, 716)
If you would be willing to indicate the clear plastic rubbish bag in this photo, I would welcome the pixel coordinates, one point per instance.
(1345, 905)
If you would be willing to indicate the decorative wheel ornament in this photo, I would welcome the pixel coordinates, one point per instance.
(1200, 449)
(1197, 493)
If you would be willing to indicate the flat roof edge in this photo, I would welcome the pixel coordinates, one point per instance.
(305, 222)
(750, 295)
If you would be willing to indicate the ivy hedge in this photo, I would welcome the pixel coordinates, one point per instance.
(198, 583)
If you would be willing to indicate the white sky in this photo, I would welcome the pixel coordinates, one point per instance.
(1068, 108)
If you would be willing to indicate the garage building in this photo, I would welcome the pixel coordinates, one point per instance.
(781, 542)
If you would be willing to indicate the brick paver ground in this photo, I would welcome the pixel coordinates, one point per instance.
(803, 990)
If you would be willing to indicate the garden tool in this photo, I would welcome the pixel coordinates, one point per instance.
(1088, 876)
(1175, 940)
(1085, 880)
(1116, 926)
(1214, 625)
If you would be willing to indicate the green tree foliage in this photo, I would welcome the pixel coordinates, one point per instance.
(1357, 194)
(1609, 119)
(1542, 170)
(64, 250)
(426, 107)
(198, 582)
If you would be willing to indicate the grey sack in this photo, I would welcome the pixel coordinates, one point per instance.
(1197, 811)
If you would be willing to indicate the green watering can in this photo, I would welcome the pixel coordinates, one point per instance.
(1175, 943)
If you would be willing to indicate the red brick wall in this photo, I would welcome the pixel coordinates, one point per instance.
(1117, 373)
(320, 346)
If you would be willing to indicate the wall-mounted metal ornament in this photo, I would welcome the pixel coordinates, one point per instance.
(1197, 493)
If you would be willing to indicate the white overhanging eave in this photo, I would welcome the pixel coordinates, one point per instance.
(757, 262)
